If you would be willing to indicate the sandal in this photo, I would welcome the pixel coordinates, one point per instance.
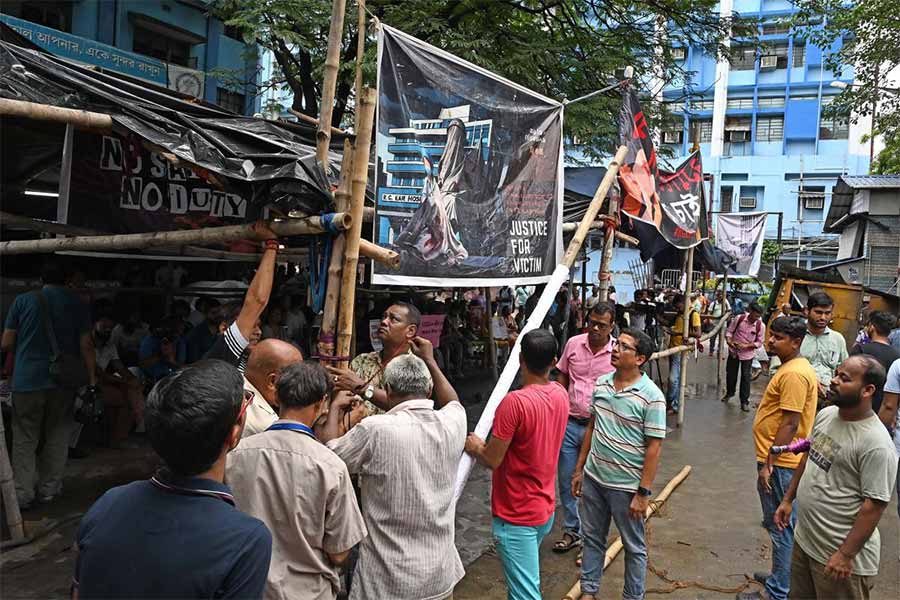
(579, 557)
(569, 540)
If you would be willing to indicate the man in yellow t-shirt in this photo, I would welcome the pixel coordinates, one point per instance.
(786, 413)
(676, 335)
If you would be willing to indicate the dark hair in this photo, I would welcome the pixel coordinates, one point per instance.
(793, 327)
(755, 307)
(232, 311)
(210, 304)
(604, 308)
(882, 321)
(103, 309)
(181, 304)
(52, 272)
(644, 344)
(818, 299)
(677, 298)
(874, 371)
(302, 384)
(190, 414)
(538, 350)
(413, 315)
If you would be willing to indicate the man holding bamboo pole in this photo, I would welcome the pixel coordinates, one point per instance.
(619, 456)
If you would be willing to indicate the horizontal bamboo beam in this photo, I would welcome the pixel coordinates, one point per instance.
(688, 347)
(314, 121)
(44, 112)
(137, 241)
(379, 254)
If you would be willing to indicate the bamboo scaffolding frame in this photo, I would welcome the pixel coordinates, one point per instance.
(358, 196)
(688, 286)
(332, 63)
(575, 592)
(8, 492)
(43, 112)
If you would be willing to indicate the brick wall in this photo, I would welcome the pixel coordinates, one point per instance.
(883, 251)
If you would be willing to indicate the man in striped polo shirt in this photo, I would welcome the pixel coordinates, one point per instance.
(619, 455)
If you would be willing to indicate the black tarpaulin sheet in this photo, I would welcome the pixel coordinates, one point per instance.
(266, 162)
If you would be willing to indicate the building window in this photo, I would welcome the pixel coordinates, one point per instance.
(672, 136)
(55, 15)
(737, 129)
(727, 197)
(769, 129)
(799, 54)
(774, 56)
(701, 130)
(168, 49)
(703, 104)
(777, 28)
(813, 197)
(229, 100)
(743, 58)
(771, 102)
(234, 32)
(834, 127)
(740, 103)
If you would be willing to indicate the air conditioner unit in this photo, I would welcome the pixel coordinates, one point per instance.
(678, 53)
(747, 202)
(813, 203)
(671, 137)
(768, 62)
(738, 135)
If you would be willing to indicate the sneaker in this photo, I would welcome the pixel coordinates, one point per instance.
(726, 398)
(745, 407)
(761, 577)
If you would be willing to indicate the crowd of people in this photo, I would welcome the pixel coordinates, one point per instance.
(283, 477)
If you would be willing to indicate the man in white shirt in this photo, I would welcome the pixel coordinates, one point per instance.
(263, 368)
(406, 460)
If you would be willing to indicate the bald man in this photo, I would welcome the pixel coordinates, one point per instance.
(264, 366)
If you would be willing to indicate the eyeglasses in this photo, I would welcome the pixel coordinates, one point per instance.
(248, 398)
(624, 346)
(598, 325)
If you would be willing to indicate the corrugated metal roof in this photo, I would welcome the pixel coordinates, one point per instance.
(863, 182)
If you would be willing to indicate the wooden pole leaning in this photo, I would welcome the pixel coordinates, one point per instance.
(360, 53)
(357, 198)
(43, 112)
(137, 241)
(593, 208)
(688, 286)
(333, 287)
(652, 509)
(332, 63)
(8, 493)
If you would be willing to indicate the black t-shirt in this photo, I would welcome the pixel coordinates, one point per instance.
(884, 354)
(231, 347)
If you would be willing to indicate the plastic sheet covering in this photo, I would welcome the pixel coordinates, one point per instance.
(269, 163)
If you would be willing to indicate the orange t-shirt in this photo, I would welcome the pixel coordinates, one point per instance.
(793, 388)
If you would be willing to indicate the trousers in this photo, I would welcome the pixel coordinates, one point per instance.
(731, 375)
(518, 547)
(809, 582)
(568, 456)
(41, 414)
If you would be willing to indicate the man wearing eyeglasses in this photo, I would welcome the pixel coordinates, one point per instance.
(179, 535)
(617, 463)
(585, 358)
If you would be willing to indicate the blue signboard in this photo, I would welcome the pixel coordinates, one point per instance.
(88, 51)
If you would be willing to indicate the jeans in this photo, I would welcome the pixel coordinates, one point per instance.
(674, 381)
(518, 547)
(599, 504)
(568, 456)
(731, 374)
(779, 582)
(47, 415)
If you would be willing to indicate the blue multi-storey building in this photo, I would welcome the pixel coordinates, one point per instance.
(759, 123)
(173, 43)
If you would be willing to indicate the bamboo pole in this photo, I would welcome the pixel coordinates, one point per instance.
(357, 198)
(44, 112)
(333, 287)
(305, 226)
(8, 492)
(314, 121)
(606, 257)
(688, 347)
(332, 62)
(721, 357)
(360, 52)
(380, 254)
(492, 343)
(688, 286)
(593, 208)
(652, 509)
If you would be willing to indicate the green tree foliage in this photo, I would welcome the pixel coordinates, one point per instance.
(771, 251)
(560, 48)
(870, 31)
(888, 160)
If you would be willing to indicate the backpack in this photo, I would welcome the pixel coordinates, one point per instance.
(740, 320)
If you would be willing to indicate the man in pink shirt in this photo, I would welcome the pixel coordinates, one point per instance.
(744, 336)
(585, 358)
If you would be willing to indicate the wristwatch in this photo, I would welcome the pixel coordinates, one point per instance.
(369, 393)
(642, 491)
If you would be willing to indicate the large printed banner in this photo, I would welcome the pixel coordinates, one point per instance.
(672, 202)
(469, 171)
(741, 235)
(118, 186)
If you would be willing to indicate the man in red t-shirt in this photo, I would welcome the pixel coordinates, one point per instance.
(523, 451)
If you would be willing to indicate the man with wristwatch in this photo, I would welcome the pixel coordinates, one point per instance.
(617, 463)
(365, 377)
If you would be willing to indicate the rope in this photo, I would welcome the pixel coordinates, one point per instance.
(677, 584)
(318, 266)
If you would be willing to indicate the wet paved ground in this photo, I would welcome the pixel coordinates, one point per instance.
(708, 532)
